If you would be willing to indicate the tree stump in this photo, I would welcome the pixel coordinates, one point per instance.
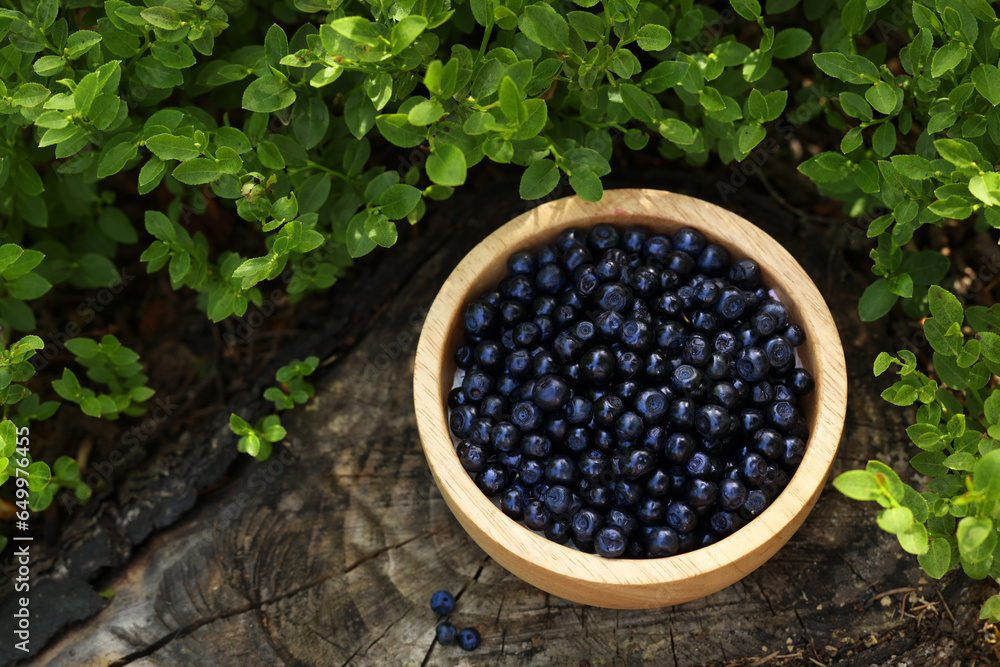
(328, 552)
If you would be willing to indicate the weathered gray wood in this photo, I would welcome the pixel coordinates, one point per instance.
(328, 553)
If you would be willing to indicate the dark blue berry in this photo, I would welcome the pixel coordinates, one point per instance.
(681, 413)
(469, 638)
(442, 603)
(732, 493)
(445, 633)
(521, 263)
(702, 493)
(492, 479)
(536, 517)
(662, 542)
(526, 416)
(782, 415)
(753, 468)
(745, 274)
(550, 279)
(461, 420)
(610, 542)
(656, 248)
(560, 469)
(689, 240)
(755, 503)
(752, 364)
(712, 421)
(628, 426)
(613, 296)
(681, 517)
(536, 445)
(794, 334)
(651, 406)
(793, 450)
(801, 382)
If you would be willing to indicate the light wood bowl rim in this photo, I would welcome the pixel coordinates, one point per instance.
(624, 583)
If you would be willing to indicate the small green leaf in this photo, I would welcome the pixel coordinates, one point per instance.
(895, 519)
(539, 179)
(944, 305)
(197, 171)
(267, 94)
(398, 200)
(446, 165)
(858, 484)
(543, 25)
(976, 538)
(876, 301)
(653, 37)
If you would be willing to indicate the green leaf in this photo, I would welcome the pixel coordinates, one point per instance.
(267, 94)
(644, 106)
(666, 74)
(407, 30)
(858, 484)
(356, 238)
(944, 305)
(895, 519)
(356, 28)
(27, 287)
(914, 539)
(359, 114)
(170, 147)
(446, 165)
(976, 538)
(986, 480)
(39, 475)
(543, 25)
(790, 43)
(80, 42)
(539, 179)
(397, 130)
(986, 187)
(197, 171)
(876, 301)
(162, 17)
(175, 55)
(270, 156)
(426, 112)
(653, 37)
(748, 9)
(849, 68)
(882, 96)
(947, 58)
(986, 78)
(398, 200)
(381, 230)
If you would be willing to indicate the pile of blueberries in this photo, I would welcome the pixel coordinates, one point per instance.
(443, 603)
(631, 392)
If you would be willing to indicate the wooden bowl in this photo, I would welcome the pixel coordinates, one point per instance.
(588, 578)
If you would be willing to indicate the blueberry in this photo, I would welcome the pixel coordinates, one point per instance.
(550, 392)
(704, 466)
(783, 393)
(801, 382)
(696, 351)
(476, 384)
(753, 468)
(657, 248)
(628, 365)
(558, 530)
(628, 426)
(512, 312)
(492, 479)
(713, 260)
(712, 421)
(536, 517)
(793, 450)
(457, 397)
(658, 484)
(461, 420)
(662, 542)
(745, 274)
(681, 413)
(613, 296)
(548, 255)
(637, 463)
(609, 325)
(768, 443)
(731, 303)
(521, 288)
(603, 237)
(670, 336)
(627, 493)
(681, 517)
(707, 293)
(536, 445)
(610, 542)
(689, 240)
(512, 502)
(560, 469)
(525, 415)
(481, 319)
(633, 238)
(598, 365)
(645, 281)
(763, 324)
(627, 391)
(689, 381)
(481, 431)
(550, 279)
(521, 263)
(794, 334)
(702, 493)
(679, 448)
(724, 523)
(746, 336)
(469, 638)
(732, 493)
(725, 342)
(636, 335)
(445, 633)
(762, 393)
(558, 499)
(724, 394)
(755, 503)
(442, 603)
(575, 256)
(532, 471)
(752, 364)
(782, 415)
(489, 356)
(607, 409)
(650, 510)
(777, 311)
(651, 405)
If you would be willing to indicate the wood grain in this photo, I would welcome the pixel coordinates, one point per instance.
(588, 578)
(331, 559)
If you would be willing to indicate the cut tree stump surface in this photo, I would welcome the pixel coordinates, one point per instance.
(327, 554)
